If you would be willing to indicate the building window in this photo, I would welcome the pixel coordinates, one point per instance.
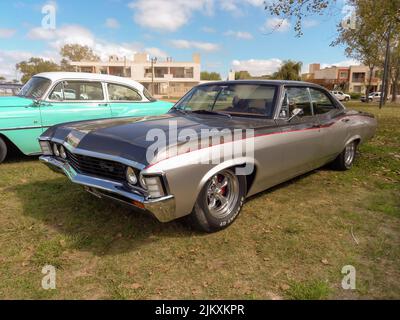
(358, 77)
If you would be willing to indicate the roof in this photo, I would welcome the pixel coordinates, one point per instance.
(265, 82)
(54, 76)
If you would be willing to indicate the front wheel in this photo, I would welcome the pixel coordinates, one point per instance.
(219, 202)
(346, 159)
(347, 99)
(3, 150)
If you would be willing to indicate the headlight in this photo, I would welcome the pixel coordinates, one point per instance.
(154, 186)
(55, 150)
(46, 148)
(63, 154)
(131, 176)
(142, 181)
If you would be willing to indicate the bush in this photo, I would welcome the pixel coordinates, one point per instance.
(355, 95)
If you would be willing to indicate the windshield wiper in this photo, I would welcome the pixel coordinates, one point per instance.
(212, 112)
(179, 110)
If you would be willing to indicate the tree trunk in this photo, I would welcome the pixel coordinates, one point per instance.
(371, 72)
(395, 85)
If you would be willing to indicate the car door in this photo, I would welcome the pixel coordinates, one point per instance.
(301, 136)
(74, 100)
(334, 128)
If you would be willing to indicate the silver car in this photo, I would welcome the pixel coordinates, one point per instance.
(221, 143)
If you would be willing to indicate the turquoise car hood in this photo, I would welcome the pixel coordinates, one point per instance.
(15, 102)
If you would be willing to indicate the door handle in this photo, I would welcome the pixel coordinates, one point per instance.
(346, 120)
(103, 104)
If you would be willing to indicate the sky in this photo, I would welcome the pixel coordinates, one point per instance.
(229, 34)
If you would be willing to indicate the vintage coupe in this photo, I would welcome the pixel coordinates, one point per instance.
(297, 127)
(56, 97)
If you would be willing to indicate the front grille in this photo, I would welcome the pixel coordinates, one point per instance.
(97, 167)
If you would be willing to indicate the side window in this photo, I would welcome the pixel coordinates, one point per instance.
(298, 98)
(321, 102)
(78, 91)
(121, 93)
(58, 93)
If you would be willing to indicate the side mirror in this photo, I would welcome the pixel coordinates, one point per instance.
(295, 113)
(36, 103)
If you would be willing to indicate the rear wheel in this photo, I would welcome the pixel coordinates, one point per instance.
(346, 159)
(3, 150)
(220, 202)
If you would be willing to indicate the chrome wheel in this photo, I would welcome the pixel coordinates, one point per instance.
(349, 154)
(222, 194)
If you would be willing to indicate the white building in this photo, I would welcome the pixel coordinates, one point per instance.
(162, 77)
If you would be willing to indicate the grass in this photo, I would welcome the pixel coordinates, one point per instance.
(290, 242)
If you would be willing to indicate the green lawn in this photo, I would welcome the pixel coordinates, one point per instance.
(290, 242)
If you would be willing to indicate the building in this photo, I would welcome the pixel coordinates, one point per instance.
(353, 79)
(165, 77)
(9, 89)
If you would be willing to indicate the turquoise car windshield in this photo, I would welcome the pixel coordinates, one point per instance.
(35, 88)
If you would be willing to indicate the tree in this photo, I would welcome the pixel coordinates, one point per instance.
(2, 78)
(210, 76)
(76, 52)
(34, 66)
(289, 70)
(242, 75)
(362, 43)
(297, 10)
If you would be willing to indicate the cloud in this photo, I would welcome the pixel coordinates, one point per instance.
(167, 15)
(310, 23)
(257, 67)
(7, 33)
(239, 34)
(236, 6)
(112, 23)
(186, 44)
(75, 34)
(208, 30)
(9, 58)
(276, 24)
(156, 52)
(344, 63)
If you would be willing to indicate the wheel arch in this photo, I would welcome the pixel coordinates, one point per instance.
(248, 164)
(10, 145)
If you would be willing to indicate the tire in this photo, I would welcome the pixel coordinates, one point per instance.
(209, 213)
(346, 99)
(3, 150)
(345, 160)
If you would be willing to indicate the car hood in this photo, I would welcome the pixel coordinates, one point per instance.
(130, 138)
(15, 101)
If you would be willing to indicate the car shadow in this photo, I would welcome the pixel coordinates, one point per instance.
(101, 226)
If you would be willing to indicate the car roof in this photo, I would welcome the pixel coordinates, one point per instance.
(265, 82)
(54, 76)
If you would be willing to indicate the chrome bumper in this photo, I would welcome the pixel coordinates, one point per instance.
(162, 208)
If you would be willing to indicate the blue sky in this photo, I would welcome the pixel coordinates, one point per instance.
(229, 34)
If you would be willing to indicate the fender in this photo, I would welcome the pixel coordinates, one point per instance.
(353, 138)
(227, 165)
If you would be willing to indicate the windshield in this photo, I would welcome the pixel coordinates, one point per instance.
(35, 88)
(148, 95)
(233, 99)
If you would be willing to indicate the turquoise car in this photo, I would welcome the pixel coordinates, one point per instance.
(58, 97)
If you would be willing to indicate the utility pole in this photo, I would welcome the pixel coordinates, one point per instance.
(153, 62)
(386, 69)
